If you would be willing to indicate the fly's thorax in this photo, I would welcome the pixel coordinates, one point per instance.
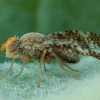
(31, 38)
(31, 44)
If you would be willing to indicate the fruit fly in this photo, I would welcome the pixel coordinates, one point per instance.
(65, 47)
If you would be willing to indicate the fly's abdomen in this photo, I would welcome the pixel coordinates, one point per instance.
(69, 56)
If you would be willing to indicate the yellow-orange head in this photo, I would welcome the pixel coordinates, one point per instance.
(11, 47)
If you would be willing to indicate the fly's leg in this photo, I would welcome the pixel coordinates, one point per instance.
(70, 67)
(45, 68)
(48, 60)
(25, 59)
(40, 65)
(61, 65)
(21, 69)
(9, 70)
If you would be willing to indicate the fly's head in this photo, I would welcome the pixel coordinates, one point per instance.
(11, 47)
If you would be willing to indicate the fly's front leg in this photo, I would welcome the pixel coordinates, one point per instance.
(9, 69)
(25, 58)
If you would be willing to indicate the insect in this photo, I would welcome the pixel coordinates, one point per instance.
(65, 47)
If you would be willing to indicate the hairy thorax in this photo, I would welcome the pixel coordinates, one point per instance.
(29, 44)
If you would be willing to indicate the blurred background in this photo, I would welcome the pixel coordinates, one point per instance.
(18, 17)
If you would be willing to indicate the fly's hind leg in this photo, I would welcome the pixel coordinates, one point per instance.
(61, 65)
(21, 69)
(70, 67)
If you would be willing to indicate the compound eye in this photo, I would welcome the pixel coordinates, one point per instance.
(12, 46)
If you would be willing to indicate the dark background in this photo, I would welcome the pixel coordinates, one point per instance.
(18, 17)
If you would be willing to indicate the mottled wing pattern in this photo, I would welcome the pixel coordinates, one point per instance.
(84, 51)
(76, 38)
(76, 41)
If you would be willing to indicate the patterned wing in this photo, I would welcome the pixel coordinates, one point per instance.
(75, 38)
(85, 52)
